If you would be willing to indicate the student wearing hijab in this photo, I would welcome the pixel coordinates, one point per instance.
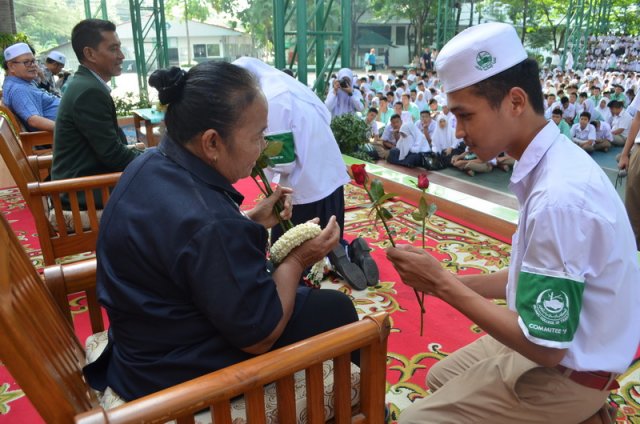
(342, 97)
(409, 148)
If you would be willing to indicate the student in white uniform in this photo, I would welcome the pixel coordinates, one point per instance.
(313, 166)
(583, 133)
(409, 148)
(553, 354)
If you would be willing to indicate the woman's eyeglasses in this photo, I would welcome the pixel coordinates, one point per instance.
(27, 63)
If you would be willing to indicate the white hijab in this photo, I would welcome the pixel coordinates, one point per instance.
(411, 140)
(443, 138)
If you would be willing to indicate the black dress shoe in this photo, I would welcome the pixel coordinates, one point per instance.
(359, 252)
(349, 271)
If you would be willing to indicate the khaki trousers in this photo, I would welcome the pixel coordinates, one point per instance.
(486, 382)
(632, 192)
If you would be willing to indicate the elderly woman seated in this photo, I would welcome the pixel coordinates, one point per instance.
(182, 271)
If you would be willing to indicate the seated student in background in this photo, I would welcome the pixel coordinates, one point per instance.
(372, 124)
(409, 148)
(620, 122)
(389, 138)
(182, 271)
(409, 106)
(444, 142)
(469, 163)
(403, 114)
(603, 110)
(603, 135)
(434, 107)
(88, 140)
(426, 125)
(36, 109)
(384, 113)
(568, 109)
(583, 133)
(556, 116)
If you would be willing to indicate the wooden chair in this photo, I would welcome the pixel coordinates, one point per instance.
(75, 231)
(28, 140)
(42, 353)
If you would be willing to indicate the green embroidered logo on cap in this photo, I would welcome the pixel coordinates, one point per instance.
(484, 61)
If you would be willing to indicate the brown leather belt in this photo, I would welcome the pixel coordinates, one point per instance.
(599, 380)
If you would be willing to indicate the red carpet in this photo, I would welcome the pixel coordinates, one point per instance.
(410, 355)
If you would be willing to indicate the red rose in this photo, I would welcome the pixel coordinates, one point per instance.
(359, 173)
(423, 181)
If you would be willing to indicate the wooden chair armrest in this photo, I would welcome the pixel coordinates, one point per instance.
(215, 389)
(74, 184)
(62, 280)
(30, 140)
(40, 162)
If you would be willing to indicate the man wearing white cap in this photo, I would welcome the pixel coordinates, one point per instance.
(53, 65)
(36, 108)
(553, 354)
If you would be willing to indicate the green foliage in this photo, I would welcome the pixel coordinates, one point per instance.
(8, 39)
(350, 132)
(130, 101)
(48, 22)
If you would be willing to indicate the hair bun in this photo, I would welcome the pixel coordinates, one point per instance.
(169, 83)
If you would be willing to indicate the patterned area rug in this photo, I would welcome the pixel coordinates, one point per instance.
(460, 248)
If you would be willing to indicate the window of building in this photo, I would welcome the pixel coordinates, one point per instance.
(206, 50)
(401, 36)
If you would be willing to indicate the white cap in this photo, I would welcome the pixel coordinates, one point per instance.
(58, 57)
(16, 50)
(477, 53)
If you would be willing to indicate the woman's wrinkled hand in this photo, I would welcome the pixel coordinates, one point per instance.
(312, 251)
(264, 212)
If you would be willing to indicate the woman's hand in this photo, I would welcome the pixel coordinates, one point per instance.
(311, 251)
(264, 212)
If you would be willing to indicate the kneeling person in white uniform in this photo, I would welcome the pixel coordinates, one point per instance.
(553, 354)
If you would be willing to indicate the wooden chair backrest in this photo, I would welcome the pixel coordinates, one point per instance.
(215, 390)
(56, 242)
(83, 235)
(14, 157)
(15, 122)
(77, 277)
(38, 345)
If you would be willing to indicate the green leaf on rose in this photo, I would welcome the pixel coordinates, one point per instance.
(432, 209)
(377, 190)
(386, 197)
(386, 214)
(416, 216)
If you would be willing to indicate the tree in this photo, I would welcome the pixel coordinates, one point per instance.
(7, 17)
(416, 11)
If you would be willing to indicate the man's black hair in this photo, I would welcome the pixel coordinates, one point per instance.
(556, 111)
(394, 116)
(523, 75)
(88, 33)
(373, 109)
(587, 114)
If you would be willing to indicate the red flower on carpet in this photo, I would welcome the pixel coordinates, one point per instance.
(359, 173)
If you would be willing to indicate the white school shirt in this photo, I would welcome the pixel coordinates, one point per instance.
(318, 169)
(623, 120)
(588, 133)
(578, 231)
